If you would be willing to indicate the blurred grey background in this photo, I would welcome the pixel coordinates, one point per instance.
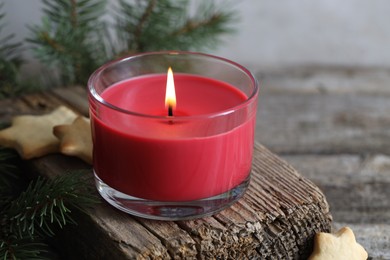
(274, 34)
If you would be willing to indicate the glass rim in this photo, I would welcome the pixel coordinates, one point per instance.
(96, 96)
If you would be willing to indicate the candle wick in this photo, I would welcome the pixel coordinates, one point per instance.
(170, 110)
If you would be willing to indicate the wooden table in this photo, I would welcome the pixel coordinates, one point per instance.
(277, 217)
(333, 125)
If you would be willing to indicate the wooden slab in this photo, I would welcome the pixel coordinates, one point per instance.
(277, 217)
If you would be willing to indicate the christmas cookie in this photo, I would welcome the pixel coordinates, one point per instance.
(76, 139)
(341, 245)
(32, 136)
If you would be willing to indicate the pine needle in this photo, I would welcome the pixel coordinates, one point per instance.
(70, 38)
(74, 40)
(166, 25)
(47, 203)
(12, 247)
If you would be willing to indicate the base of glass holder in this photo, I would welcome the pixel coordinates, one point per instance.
(170, 210)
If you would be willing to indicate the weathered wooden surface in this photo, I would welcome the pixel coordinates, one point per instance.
(277, 217)
(333, 125)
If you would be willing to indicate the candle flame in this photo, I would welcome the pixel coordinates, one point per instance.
(170, 95)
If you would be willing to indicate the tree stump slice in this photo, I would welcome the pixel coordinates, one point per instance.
(277, 218)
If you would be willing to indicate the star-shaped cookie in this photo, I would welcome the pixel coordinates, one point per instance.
(32, 136)
(341, 245)
(76, 138)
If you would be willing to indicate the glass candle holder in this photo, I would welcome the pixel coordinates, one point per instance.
(172, 161)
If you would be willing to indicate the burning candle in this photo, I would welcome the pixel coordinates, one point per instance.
(172, 145)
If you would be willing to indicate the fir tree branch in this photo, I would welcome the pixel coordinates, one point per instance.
(165, 24)
(73, 13)
(193, 25)
(74, 39)
(79, 13)
(13, 247)
(71, 38)
(48, 203)
(203, 28)
(139, 27)
(29, 216)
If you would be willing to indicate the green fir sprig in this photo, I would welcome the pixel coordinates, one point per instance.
(71, 38)
(14, 247)
(44, 206)
(167, 25)
(74, 38)
(50, 206)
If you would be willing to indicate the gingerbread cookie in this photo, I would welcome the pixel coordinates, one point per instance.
(76, 139)
(339, 246)
(32, 136)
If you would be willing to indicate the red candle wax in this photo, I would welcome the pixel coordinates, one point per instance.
(189, 156)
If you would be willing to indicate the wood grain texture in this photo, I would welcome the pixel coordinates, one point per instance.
(277, 217)
(332, 124)
(357, 188)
